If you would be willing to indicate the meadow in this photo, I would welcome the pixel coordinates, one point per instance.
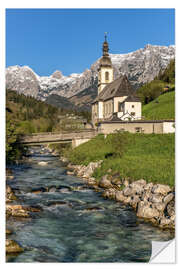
(134, 156)
(162, 107)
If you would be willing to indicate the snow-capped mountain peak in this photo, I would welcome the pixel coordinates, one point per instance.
(140, 67)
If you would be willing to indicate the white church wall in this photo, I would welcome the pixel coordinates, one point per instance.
(116, 102)
(119, 114)
(103, 71)
(95, 112)
(102, 78)
(169, 127)
(108, 108)
(100, 108)
(133, 108)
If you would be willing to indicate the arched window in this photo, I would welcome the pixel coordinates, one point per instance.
(107, 76)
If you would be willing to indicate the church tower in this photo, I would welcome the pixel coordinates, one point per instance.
(105, 71)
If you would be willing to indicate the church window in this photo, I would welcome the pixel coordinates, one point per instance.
(132, 106)
(133, 113)
(138, 129)
(107, 76)
(120, 107)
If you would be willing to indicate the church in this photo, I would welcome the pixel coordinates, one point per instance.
(116, 99)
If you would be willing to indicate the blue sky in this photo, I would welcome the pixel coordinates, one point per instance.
(70, 40)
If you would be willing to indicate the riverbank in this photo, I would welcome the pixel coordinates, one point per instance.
(14, 209)
(154, 203)
(134, 156)
(53, 216)
(135, 169)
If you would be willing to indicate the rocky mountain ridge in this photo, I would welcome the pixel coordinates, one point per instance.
(140, 66)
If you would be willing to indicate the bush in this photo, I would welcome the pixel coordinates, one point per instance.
(149, 91)
(14, 151)
(118, 142)
(168, 75)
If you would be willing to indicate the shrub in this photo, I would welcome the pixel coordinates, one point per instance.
(149, 91)
(118, 142)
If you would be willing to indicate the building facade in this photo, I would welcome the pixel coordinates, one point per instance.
(143, 126)
(116, 98)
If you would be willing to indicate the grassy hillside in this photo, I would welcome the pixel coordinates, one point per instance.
(162, 107)
(31, 115)
(165, 80)
(148, 156)
(26, 115)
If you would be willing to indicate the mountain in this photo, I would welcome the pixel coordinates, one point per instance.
(140, 66)
(23, 80)
(61, 102)
(84, 98)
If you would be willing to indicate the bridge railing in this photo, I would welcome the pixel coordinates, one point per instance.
(61, 132)
(57, 136)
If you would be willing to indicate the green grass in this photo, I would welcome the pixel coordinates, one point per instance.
(147, 156)
(162, 107)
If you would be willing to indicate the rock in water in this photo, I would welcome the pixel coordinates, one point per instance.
(70, 173)
(105, 182)
(16, 211)
(145, 210)
(119, 196)
(20, 210)
(43, 163)
(10, 196)
(8, 231)
(13, 247)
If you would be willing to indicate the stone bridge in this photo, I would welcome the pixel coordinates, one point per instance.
(76, 137)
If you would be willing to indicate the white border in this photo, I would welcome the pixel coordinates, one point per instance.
(77, 4)
(2, 141)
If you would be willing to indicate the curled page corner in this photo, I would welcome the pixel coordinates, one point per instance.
(163, 252)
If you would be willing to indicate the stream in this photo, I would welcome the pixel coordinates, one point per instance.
(76, 224)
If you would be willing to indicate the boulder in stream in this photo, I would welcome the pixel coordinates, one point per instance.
(10, 196)
(146, 210)
(20, 210)
(43, 163)
(105, 182)
(13, 247)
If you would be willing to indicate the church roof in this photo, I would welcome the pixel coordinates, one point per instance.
(105, 61)
(132, 98)
(118, 88)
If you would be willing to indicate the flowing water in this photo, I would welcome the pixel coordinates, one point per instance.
(76, 224)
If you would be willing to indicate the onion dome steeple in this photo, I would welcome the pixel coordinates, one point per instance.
(105, 46)
(105, 60)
